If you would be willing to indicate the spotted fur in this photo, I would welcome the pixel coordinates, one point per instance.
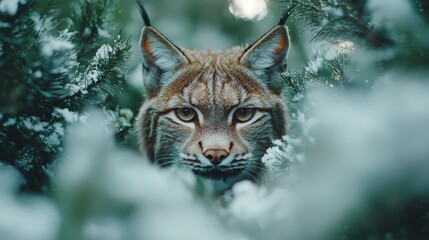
(214, 84)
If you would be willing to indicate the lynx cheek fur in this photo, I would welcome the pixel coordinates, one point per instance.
(214, 113)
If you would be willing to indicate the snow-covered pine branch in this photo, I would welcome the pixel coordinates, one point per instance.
(44, 75)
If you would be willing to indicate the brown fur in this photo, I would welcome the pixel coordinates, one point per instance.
(214, 84)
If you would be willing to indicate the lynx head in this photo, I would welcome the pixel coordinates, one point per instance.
(214, 113)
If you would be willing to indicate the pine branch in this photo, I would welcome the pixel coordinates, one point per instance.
(322, 70)
(335, 20)
(89, 20)
(107, 70)
(42, 78)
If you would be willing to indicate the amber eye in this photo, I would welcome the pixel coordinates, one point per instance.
(185, 114)
(244, 114)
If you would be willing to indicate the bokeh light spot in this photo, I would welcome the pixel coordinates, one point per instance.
(248, 9)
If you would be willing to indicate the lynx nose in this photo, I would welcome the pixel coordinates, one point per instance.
(216, 155)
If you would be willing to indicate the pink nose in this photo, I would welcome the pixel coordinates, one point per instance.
(216, 155)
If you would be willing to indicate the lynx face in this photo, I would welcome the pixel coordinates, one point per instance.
(214, 113)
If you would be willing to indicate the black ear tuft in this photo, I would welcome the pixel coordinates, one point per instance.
(143, 13)
(285, 15)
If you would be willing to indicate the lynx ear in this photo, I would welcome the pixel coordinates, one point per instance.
(161, 59)
(268, 55)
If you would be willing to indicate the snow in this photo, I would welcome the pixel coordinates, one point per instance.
(26, 162)
(331, 53)
(358, 152)
(9, 122)
(59, 129)
(39, 24)
(103, 33)
(33, 220)
(24, 217)
(95, 70)
(5, 25)
(121, 180)
(103, 52)
(93, 73)
(53, 140)
(336, 12)
(87, 32)
(74, 88)
(33, 124)
(37, 74)
(252, 203)
(119, 195)
(314, 65)
(52, 45)
(69, 116)
(10, 7)
(284, 154)
(10, 179)
(395, 12)
(92, 77)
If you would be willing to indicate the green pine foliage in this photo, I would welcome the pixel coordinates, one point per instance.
(339, 20)
(52, 65)
(381, 43)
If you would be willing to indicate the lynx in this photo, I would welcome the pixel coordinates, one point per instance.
(213, 112)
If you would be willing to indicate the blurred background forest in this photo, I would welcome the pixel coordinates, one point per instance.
(354, 164)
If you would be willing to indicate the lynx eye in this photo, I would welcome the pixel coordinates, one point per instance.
(244, 114)
(185, 114)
